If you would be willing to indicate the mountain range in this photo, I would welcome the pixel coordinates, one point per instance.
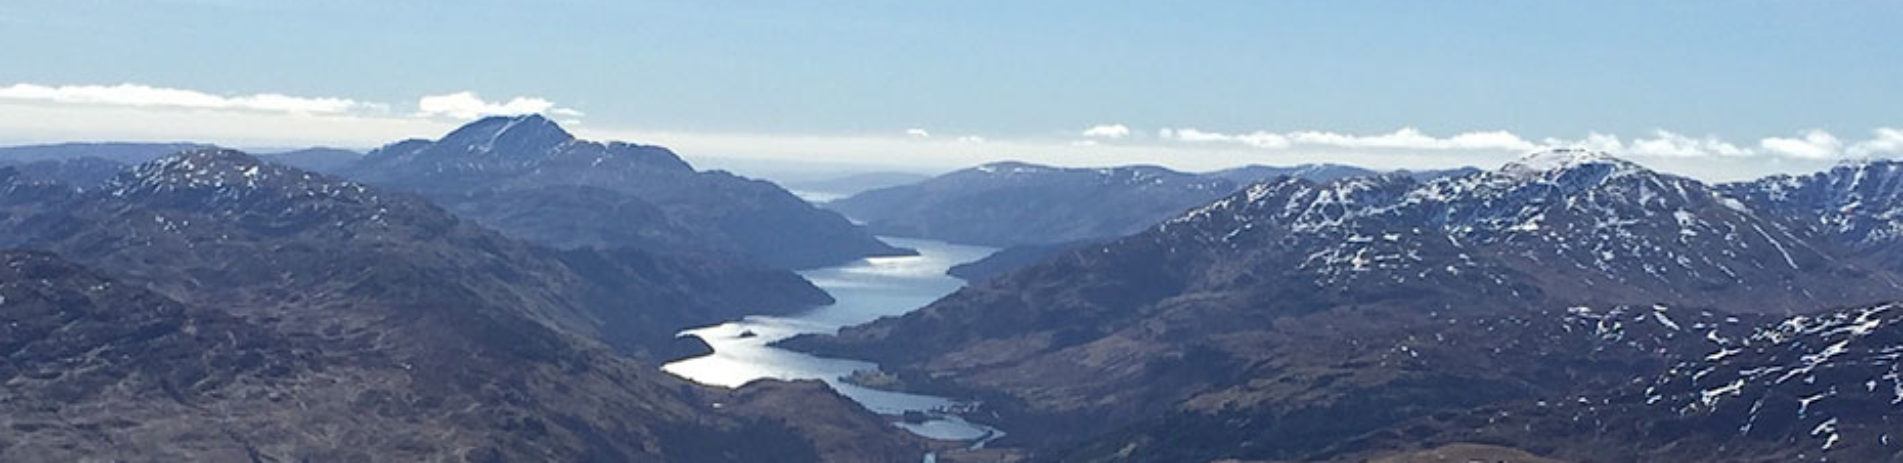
(211, 306)
(1297, 320)
(1013, 203)
(526, 176)
(504, 294)
(1035, 211)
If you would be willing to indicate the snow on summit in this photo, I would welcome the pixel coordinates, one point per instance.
(1560, 159)
(1592, 217)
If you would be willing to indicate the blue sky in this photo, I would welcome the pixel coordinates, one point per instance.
(854, 77)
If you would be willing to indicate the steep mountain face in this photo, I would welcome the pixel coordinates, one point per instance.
(574, 216)
(494, 169)
(251, 310)
(1314, 312)
(1857, 205)
(1816, 387)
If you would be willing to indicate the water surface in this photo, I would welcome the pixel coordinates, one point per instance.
(865, 290)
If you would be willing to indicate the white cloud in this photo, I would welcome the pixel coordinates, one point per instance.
(137, 112)
(22, 123)
(1594, 141)
(1497, 139)
(137, 95)
(458, 105)
(1665, 143)
(1258, 139)
(1110, 131)
(1412, 138)
(1887, 141)
(1404, 138)
(467, 105)
(1809, 145)
(32, 113)
(1814, 144)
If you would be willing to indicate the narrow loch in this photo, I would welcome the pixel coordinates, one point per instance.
(864, 290)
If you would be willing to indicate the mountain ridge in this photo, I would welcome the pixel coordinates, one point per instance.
(1271, 298)
(1014, 203)
(498, 167)
(372, 326)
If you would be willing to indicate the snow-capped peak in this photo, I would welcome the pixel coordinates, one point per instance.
(524, 133)
(1560, 159)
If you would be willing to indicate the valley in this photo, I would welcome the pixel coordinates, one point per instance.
(1386, 231)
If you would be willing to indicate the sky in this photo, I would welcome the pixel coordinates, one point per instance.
(1717, 90)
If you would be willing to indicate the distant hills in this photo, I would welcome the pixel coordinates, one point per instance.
(91, 164)
(528, 177)
(122, 153)
(1014, 203)
(85, 164)
(1035, 211)
(830, 188)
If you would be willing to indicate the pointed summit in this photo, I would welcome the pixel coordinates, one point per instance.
(528, 133)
